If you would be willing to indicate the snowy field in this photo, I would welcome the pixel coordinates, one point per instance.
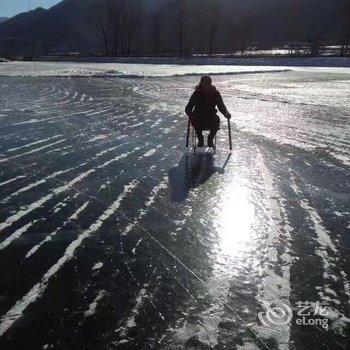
(112, 236)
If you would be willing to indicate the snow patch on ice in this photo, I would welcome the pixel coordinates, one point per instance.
(327, 251)
(37, 290)
(97, 266)
(248, 346)
(33, 143)
(32, 151)
(50, 236)
(98, 137)
(30, 121)
(131, 320)
(146, 67)
(12, 180)
(274, 286)
(18, 233)
(150, 152)
(92, 307)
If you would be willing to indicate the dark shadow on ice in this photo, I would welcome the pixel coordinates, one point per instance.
(222, 169)
(192, 171)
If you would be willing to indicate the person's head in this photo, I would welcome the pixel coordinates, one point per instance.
(206, 81)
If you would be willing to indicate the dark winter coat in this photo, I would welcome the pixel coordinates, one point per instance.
(203, 102)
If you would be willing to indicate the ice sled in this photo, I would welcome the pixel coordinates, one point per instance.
(192, 141)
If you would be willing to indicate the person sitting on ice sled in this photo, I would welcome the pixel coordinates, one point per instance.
(201, 109)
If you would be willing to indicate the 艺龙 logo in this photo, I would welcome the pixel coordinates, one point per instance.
(277, 313)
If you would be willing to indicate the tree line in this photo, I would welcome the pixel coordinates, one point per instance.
(175, 27)
(187, 27)
(182, 27)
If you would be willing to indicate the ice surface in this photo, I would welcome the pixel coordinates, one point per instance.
(129, 70)
(111, 233)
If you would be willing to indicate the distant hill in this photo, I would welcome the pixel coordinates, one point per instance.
(67, 25)
(71, 25)
(3, 19)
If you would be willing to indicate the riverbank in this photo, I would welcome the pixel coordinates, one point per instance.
(244, 61)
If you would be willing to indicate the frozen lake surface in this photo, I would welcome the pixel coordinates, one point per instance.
(112, 236)
(127, 70)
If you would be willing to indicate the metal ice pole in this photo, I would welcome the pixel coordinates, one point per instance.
(229, 133)
(188, 132)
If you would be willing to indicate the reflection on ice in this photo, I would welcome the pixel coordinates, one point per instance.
(234, 220)
(192, 170)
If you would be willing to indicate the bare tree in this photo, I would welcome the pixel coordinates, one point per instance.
(181, 25)
(156, 32)
(103, 26)
(210, 16)
(131, 16)
(117, 21)
(114, 12)
(345, 45)
(241, 35)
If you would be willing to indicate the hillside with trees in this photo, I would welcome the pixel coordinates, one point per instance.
(180, 27)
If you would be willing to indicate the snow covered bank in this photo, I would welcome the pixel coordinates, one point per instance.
(244, 61)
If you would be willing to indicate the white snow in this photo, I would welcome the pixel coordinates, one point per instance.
(18, 233)
(32, 151)
(97, 266)
(49, 237)
(93, 305)
(175, 67)
(21, 213)
(33, 143)
(12, 180)
(37, 290)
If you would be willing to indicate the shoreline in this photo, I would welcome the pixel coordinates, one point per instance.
(273, 61)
